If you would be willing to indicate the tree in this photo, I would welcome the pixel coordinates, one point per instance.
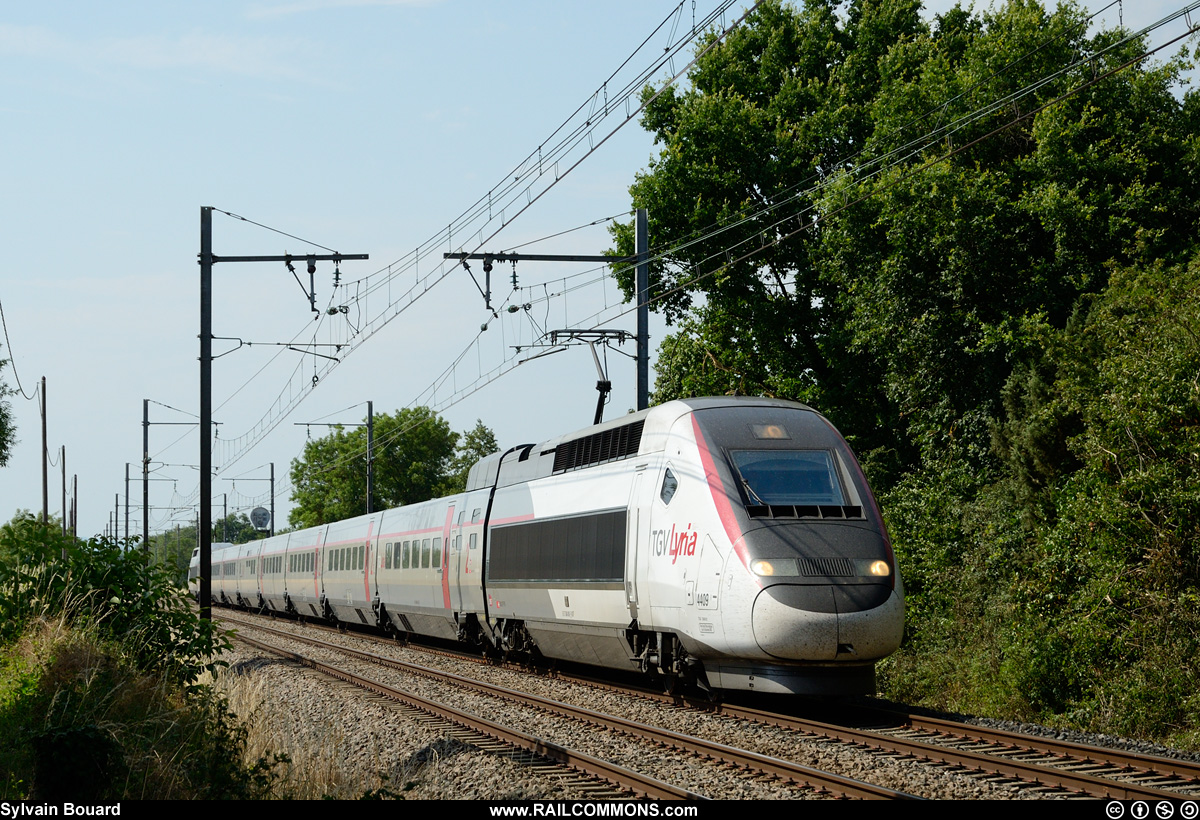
(236, 529)
(8, 429)
(1000, 315)
(415, 460)
(811, 254)
(784, 103)
(474, 444)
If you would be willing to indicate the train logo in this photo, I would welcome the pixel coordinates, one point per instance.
(664, 542)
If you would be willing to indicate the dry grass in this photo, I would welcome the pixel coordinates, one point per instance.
(319, 765)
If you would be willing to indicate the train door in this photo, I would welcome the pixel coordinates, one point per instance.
(635, 557)
(451, 594)
(468, 542)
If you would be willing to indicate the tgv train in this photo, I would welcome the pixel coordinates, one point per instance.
(732, 542)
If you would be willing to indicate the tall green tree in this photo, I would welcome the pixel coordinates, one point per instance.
(782, 105)
(974, 249)
(473, 445)
(416, 458)
(809, 258)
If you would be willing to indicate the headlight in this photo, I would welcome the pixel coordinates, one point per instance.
(762, 568)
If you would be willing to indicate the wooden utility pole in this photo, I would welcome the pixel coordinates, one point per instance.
(63, 459)
(45, 461)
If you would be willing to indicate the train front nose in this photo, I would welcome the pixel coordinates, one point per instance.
(826, 622)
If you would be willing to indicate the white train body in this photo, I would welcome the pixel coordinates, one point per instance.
(731, 540)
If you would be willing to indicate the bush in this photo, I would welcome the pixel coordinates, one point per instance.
(99, 697)
(110, 584)
(80, 720)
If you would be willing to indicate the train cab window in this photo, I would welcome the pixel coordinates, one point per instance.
(801, 477)
(669, 486)
(437, 553)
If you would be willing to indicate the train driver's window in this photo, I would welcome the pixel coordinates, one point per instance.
(669, 485)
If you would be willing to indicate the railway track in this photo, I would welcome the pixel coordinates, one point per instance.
(739, 763)
(1032, 765)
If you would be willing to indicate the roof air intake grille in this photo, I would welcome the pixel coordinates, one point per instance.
(598, 448)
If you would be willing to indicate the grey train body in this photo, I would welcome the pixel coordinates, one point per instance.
(732, 542)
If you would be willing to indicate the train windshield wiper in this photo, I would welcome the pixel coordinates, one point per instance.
(750, 490)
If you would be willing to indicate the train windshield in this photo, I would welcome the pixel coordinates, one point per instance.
(800, 477)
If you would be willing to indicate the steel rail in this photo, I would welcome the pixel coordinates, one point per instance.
(776, 767)
(1076, 753)
(1031, 771)
(1043, 773)
(635, 782)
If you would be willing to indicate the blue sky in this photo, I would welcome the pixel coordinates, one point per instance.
(367, 127)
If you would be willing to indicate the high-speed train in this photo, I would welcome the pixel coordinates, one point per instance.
(730, 542)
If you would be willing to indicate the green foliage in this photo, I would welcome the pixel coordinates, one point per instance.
(1083, 584)
(8, 429)
(473, 445)
(98, 693)
(111, 584)
(417, 457)
(236, 528)
(80, 720)
(1003, 321)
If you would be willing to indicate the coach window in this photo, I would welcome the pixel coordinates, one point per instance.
(669, 486)
(437, 553)
(425, 553)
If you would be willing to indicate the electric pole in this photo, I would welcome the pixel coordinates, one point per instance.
(641, 289)
(207, 260)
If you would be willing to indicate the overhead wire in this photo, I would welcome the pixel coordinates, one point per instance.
(12, 359)
(240, 445)
(482, 382)
(492, 374)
